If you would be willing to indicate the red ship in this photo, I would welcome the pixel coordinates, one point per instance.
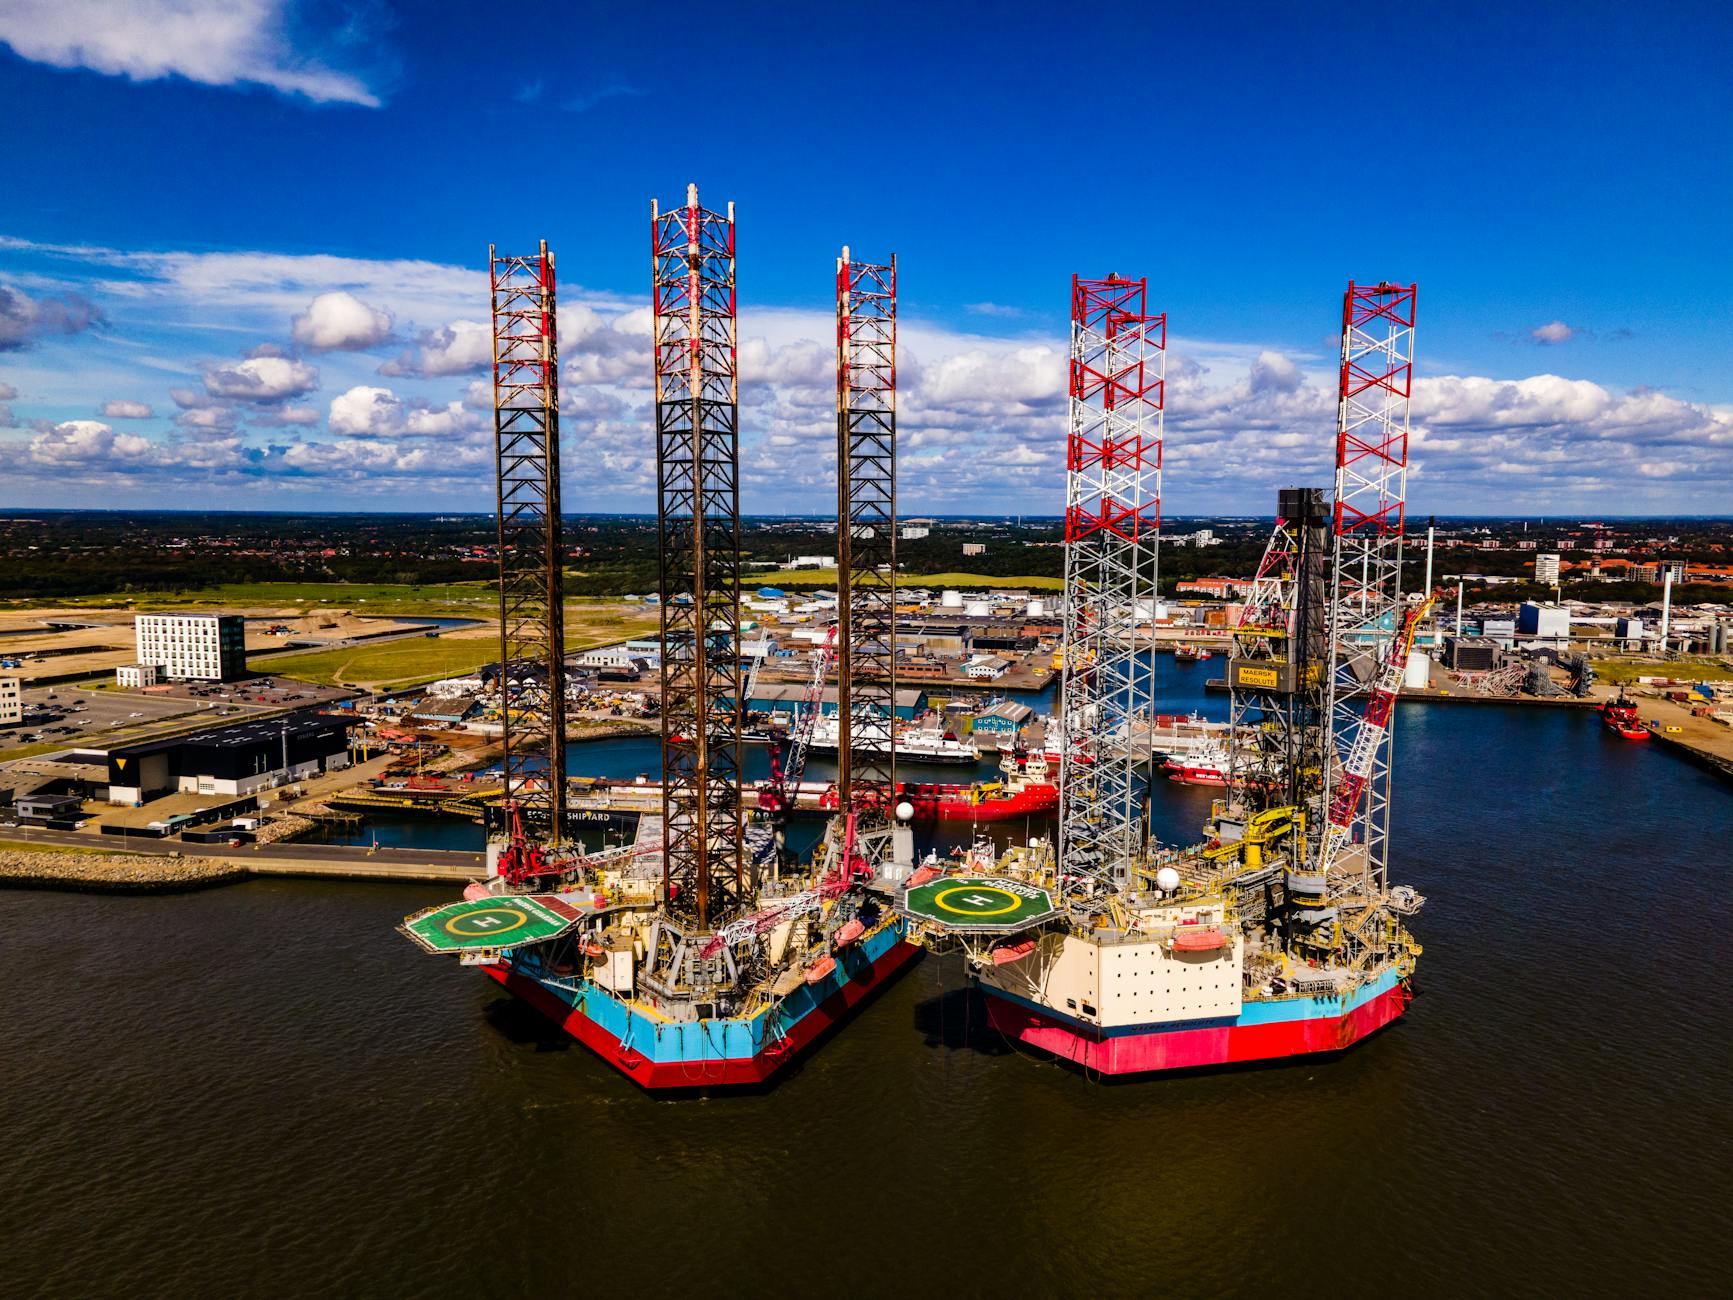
(1620, 715)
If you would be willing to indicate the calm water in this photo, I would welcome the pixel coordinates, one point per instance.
(265, 1090)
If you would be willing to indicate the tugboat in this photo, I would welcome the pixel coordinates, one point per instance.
(1620, 715)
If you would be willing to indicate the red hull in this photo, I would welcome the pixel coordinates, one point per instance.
(1194, 775)
(667, 1075)
(952, 804)
(1188, 1048)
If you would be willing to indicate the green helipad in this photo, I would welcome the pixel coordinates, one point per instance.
(506, 922)
(978, 903)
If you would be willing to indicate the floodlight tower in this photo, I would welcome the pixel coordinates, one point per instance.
(698, 476)
(532, 652)
(1366, 613)
(1112, 534)
(866, 535)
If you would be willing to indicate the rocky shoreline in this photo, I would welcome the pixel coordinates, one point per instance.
(119, 873)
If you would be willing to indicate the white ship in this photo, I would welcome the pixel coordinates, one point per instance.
(914, 744)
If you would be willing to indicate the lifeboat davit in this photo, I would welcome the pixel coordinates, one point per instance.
(848, 932)
(1199, 939)
(1006, 953)
(820, 969)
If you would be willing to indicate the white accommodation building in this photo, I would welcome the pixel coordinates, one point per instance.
(193, 647)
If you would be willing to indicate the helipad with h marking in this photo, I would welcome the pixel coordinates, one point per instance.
(977, 903)
(504, 922)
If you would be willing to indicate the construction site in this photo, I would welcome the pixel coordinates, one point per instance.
(705, 953)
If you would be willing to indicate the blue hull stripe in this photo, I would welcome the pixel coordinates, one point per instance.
(712, 1040)
(1251, 1013)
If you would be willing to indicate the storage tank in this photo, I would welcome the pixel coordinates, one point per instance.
(1419, 671)
(950, 600)
(978, 609)
(1036, 609)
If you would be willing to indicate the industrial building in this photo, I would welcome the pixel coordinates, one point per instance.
(193, 647)
(1544, 622)
(11, 702)
(238, 760)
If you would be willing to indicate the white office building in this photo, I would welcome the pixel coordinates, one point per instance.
(11, 702)
(193, 647)
(1546, 569)
(137, 676)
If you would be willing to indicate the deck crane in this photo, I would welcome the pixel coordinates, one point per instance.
(777, 796)
(1368, 736)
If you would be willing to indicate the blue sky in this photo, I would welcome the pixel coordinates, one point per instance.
(188, 177)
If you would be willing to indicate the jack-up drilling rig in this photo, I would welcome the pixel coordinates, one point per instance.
(719, 969)
(1279, 934)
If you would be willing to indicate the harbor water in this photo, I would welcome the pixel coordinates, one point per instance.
(265, 1090)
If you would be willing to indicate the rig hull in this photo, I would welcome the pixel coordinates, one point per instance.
(664, 1055)
(1263, 1031)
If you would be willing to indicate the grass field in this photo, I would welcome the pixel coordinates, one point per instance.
(977, 581)
(454, 598)
(410, 661)
(1618, 671)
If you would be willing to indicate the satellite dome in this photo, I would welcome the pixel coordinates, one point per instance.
(1167, 880)
(905, 810)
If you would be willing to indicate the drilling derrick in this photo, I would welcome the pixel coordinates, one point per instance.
(866, 458)
(1112, 534)
(1366, 609)
(1276, 666)
(526, 400)
(697, 464)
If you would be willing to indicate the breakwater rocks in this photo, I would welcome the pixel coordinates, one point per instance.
(119, 873)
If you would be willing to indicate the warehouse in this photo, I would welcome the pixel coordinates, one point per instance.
(235, 760)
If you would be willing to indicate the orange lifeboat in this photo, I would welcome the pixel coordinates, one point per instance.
(820, 969)
(848, 932)
(923, 875)
(1006, 953)
(593, 949)
(1199, 939)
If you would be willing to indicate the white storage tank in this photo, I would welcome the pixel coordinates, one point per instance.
(979, 609)
(1036, 609)
(950, 600)
(1419, 672)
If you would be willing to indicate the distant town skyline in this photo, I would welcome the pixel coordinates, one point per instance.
(247, 269)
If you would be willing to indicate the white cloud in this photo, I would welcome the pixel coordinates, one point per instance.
(75, 442)
(455, 349)
(262, 379)
(1552, 332)
(206, 419)
(338, 320)
(366, 412)
(120, 408)
(214, 42)
(7, 392)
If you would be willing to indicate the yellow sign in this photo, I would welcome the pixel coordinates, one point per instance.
(121, 763)
(1248, 676)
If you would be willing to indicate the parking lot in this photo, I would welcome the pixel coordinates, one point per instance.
(74, 716)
